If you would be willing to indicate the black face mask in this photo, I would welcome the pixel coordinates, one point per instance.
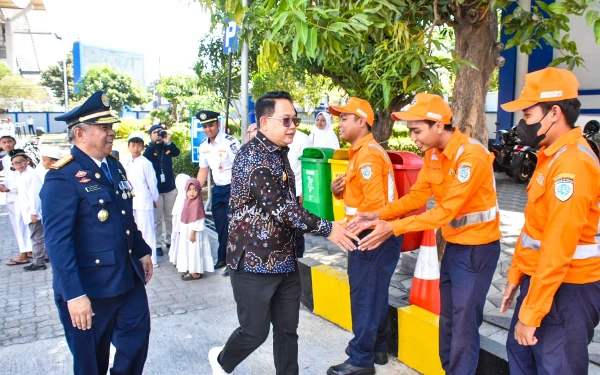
(528, 133)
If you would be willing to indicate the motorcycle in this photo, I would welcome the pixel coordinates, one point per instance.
(503, 149)
(590, 132)
(523, 163)
(33, 152)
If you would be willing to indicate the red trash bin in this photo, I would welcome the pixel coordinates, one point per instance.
(406, 169)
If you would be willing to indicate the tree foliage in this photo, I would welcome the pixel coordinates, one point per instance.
(15, 89)
(53, 78)
(120, 87)
(388, 50)
(177, 90)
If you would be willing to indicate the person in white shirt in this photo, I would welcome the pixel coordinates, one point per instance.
(323, 135)
(29, 186)
(49, 157)
(216, 155)
(300, 142)
(30, 125)
(142, 176)
(180, 181)
(21, 231)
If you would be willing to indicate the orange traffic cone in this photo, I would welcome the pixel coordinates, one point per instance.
(425, 291)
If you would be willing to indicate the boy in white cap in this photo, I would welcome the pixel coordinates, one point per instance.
(49, 156)
(9, 186)
(143, 178)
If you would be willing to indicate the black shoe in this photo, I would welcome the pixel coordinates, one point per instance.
(226, 272)
(159, 251)
(381, 358)
(33, 267)
(220, 264)
(168, 246)
(347, 369)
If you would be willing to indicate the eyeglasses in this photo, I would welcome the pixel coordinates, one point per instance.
(287, 122)
(19, 162)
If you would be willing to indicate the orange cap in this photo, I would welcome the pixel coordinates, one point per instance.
(426, 107)
(357, 106)
(546, 85)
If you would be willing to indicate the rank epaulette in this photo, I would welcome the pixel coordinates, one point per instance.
(62, 162)
(111, 154)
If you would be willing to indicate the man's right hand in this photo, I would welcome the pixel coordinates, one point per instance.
(81, 312)
(337, 185)
(362, 221)
(342, 238)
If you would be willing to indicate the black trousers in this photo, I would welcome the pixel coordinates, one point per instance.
(262, 300)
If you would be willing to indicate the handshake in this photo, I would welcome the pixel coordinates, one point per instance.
(343, 232)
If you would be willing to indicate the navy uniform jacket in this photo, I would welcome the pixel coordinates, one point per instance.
(89, 256)
(160, 155)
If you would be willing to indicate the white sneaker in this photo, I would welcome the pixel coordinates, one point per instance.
(213, 355)
(155, 265)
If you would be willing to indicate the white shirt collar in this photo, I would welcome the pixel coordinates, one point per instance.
(99, 162)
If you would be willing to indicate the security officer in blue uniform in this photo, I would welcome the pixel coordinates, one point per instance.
(99, 259)
(217, 153)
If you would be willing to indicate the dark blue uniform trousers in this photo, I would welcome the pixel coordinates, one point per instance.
(563, 336)
(370, 273)
(220, 210)
(123, 320)
(465, 277)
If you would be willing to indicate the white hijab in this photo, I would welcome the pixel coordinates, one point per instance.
(325, 137)
(180, 181)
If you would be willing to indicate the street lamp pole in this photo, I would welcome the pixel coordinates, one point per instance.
(65, 82)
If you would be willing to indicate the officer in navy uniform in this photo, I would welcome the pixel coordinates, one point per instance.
(99, 259)
(217, 153)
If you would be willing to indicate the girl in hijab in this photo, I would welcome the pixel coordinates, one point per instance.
(180, 181)
(194, 255)
(323, 135)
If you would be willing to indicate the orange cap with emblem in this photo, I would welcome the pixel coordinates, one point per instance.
(357, 106)
(426, 107)
(546, 85)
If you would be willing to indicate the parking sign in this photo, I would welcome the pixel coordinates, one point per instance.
(230, 39)
(197, 137)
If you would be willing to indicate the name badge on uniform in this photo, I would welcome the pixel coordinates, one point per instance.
(92, 188)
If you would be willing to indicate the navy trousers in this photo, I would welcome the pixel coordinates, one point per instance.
(220, 210)
(370, 273)
(122, 320)
(465, 277)
(563, 336)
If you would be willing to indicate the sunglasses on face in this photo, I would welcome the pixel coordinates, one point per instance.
(287, 122)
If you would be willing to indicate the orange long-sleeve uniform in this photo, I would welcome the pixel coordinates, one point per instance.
(559, 242)
(461, 179)
(369, 178)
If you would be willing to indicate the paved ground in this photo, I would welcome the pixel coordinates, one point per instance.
(188, 318)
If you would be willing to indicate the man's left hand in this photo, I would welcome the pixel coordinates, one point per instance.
(383, 231)
(147, 266)
(524, 334)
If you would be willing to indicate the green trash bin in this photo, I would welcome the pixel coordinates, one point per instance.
(316, 181)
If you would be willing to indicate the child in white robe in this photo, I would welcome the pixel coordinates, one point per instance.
(142, 177)
(194, 257)
(180, 181)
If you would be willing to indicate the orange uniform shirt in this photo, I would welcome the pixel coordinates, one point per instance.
(369, 179)
(559, 242)
(461, 179)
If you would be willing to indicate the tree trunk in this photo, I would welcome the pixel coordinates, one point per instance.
(382, 129)
(476, 35)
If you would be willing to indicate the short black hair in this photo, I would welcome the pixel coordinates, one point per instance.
(265, 105)
(447, 127)
(570, 108)
(136, 140)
